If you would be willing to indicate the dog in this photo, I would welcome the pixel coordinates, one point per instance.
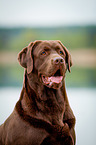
(42, 116)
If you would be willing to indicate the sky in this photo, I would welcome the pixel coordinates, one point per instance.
(15, 13)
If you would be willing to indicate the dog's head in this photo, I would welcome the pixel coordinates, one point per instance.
(49, 60)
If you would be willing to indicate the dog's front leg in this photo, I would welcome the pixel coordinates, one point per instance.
(63, 134)
(69, 119)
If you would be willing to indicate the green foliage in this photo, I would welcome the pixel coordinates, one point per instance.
(72, 37)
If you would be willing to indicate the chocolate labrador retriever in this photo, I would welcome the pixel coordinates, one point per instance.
(42, 116)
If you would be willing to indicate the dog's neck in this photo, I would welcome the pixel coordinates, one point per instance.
(39, 98)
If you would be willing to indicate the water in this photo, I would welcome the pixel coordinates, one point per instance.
(82, 102)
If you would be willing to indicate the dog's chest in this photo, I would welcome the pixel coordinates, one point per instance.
(53, 103)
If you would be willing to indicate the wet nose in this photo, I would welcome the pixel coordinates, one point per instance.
(58, 60)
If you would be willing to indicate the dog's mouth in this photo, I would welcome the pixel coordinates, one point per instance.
(55, 78)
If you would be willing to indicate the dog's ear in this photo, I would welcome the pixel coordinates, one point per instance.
(68, 56)
(25, 58)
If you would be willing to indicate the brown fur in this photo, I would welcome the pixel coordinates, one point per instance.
(42, 116)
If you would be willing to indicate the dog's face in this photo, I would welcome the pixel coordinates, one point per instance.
(48, 59)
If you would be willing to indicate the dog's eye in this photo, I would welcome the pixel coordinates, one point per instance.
(61, 52)
(43, 53)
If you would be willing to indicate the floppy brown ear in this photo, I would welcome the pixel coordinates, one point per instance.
(25, 58)
(68, 56)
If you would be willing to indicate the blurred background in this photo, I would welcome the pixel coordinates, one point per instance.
(74, 24)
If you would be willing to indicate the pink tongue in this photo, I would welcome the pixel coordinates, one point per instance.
(57, 79)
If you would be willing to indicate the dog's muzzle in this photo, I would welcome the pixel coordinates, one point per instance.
(54, 80)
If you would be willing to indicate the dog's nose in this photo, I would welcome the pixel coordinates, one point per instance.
(58, 60)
